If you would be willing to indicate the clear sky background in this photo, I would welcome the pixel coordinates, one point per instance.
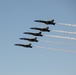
(16, 17)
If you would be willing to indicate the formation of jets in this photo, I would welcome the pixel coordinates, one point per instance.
(36, 34)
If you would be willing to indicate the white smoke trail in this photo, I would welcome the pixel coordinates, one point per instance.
(74, 25)
(50, 42)
(61, 31)
(58, 42)
(62, 50)
(62, 37)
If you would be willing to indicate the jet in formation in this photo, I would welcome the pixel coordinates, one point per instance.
(46, 22)
(41, 29)
(30, 39)
(34, 34)
(27, 45)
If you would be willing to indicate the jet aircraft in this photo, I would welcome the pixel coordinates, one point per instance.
(27, 45)
(31, 40)
(41, 29)
(46, 22)
(34, 34)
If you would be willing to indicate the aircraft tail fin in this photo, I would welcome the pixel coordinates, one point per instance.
(47, 27)
(52, 20)
(29, 44)
(35, 37)
(40, 33)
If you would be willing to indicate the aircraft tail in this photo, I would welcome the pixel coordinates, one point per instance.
(52, 20)
(35, 37)
(29, 44)
(54, 23)
(47, 28)
(40, 33)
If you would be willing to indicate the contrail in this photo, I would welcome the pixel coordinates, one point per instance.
(74, 25)
(50, 42)
(55, 49)
(58, 42)
(62, 37)
(61, 31)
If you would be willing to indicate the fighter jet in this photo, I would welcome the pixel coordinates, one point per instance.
(34, 34)
(46, 22)
(27, 45)
(41, 29)
(31, 40)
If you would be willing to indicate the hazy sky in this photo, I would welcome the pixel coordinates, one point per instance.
(54, 54)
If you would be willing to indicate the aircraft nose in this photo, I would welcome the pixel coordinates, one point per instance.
(16, 44)
(21, 38)
(24, 32)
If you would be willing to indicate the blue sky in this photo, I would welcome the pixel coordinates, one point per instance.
(16, 17)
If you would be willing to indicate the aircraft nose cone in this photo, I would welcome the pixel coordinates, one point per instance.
(21, 38)
(24, 33)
